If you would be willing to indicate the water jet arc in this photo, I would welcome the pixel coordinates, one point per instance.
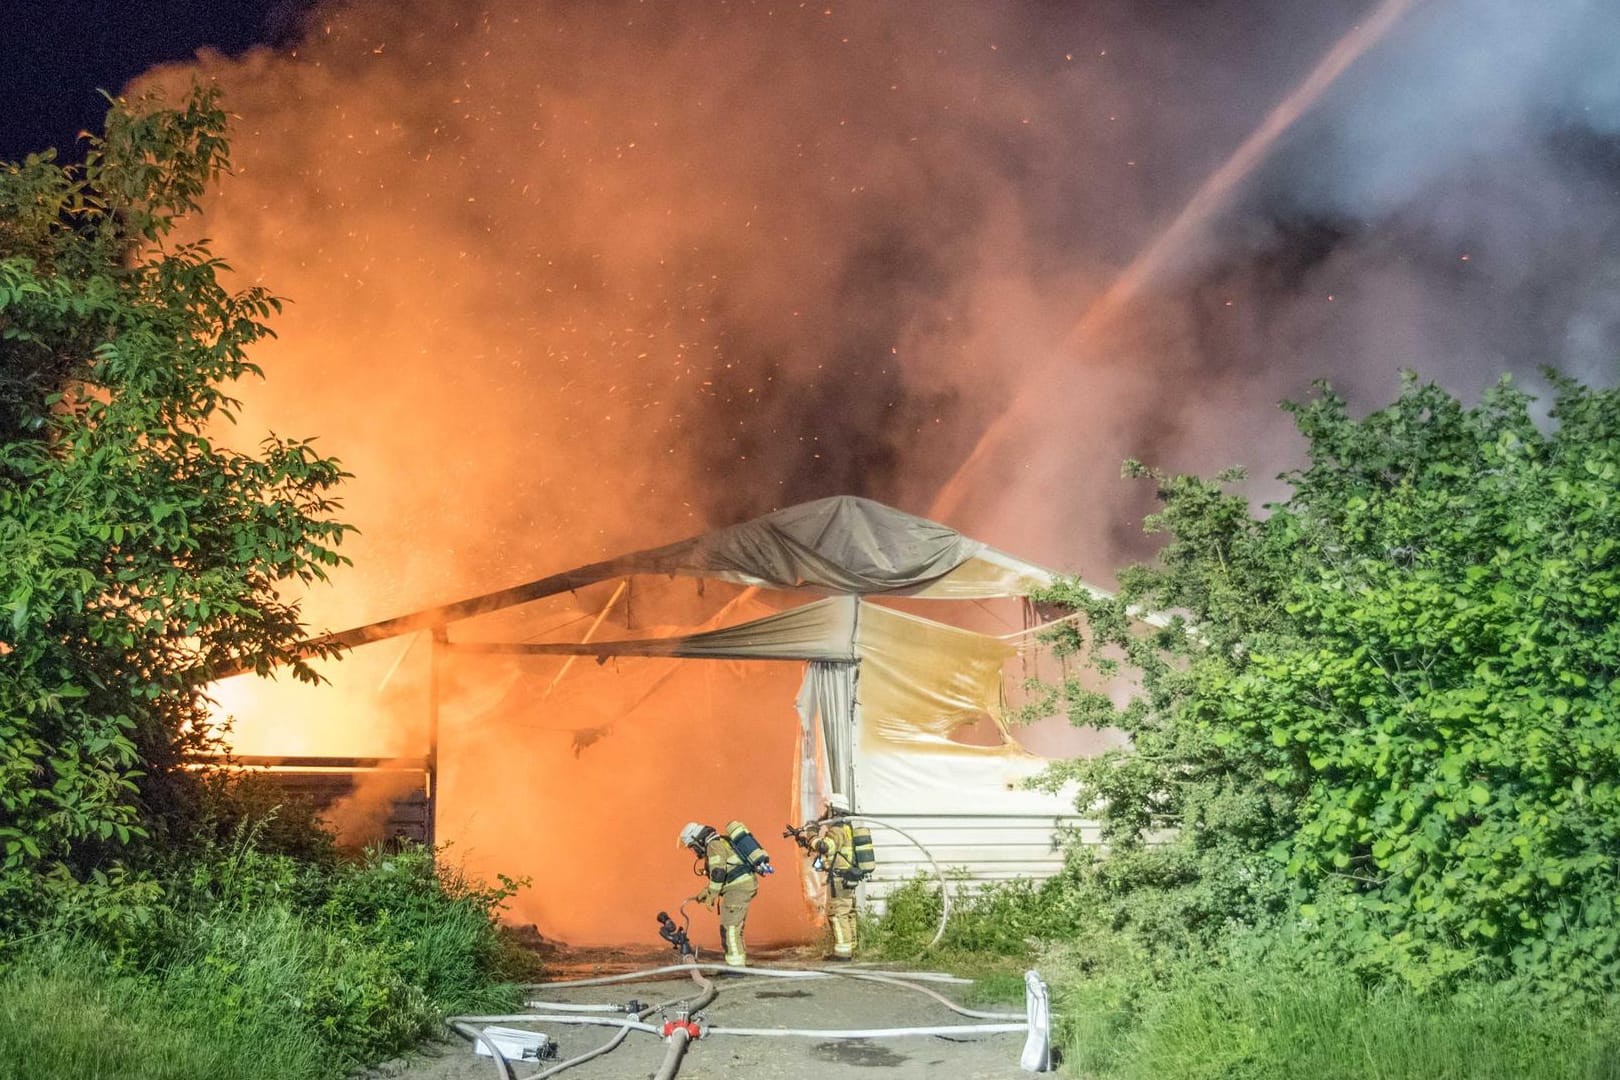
(1152, 262)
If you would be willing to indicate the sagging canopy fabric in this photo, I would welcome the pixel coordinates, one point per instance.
(842, 545)
(920, 679)
(823, 630)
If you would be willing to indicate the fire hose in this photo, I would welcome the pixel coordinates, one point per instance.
(681, 1031)
(908, 982)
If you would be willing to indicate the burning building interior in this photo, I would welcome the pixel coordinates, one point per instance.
(840, 646)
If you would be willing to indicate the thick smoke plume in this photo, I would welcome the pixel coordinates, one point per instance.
(570, 279)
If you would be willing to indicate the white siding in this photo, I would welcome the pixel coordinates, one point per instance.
(975, 848)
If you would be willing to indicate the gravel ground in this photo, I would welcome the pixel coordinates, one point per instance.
(748, 1000)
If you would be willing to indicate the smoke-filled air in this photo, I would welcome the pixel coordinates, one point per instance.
(568, 280)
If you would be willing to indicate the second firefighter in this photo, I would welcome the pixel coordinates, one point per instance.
(831, 842)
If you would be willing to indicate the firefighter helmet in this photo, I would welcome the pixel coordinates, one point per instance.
(689, 834)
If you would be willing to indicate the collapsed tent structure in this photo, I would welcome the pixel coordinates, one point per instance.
(904, 637)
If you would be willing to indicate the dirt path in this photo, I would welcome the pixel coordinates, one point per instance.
(761, 1002)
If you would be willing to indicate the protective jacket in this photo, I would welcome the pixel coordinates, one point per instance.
(835, 848)
(725, 868)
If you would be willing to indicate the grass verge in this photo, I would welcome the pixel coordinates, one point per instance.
(267, 969)
(1217, 1024)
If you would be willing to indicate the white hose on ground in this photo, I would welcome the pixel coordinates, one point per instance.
(843, 969)
(568, 1006)
(680, 1037)
(644, 974)
(606, 1048)
(559, 1018)
(872, 1033)
(963, 1010)
(609, 1046)
(918, 976)
(901, 980)
(502, 1066)
(944, 888)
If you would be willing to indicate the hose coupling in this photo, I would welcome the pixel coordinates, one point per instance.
(691, 1027)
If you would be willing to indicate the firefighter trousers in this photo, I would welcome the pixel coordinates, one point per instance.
(734, 901)
(841, 914)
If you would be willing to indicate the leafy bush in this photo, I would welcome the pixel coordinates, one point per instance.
(1008, 919)
(438, 925)
(205, 930)
(139, 556)
(1388, 708)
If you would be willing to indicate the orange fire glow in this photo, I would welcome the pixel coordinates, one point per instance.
(576, 775)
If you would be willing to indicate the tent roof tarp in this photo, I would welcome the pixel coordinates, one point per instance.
(823, 630)
(844, 545)
(839, 545)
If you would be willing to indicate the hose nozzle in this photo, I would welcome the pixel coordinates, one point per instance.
(675, 935)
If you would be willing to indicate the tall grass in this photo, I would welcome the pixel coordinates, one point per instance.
(258, 968)
(1261, 1006)
(1247, 1023)
(65, 1013)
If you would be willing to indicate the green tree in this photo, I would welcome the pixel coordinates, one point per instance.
(138, 555)
(1392, 694)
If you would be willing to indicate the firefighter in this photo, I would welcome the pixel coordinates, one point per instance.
(832, 845)
(732, 884)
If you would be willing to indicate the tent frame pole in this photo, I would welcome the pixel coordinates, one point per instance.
(441, 638)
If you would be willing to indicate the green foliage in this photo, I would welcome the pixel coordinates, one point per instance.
(157, 921)
(1385, 709)
(1251, 1013)
(438, 925)
(1008, 919)
(138, 554)
(63, 1014)
(260, 955)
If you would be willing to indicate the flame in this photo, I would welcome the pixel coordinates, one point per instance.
(576, 775)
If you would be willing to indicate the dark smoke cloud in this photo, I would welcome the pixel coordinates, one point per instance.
(1451, 205)
(572, 278)
(1467, 173)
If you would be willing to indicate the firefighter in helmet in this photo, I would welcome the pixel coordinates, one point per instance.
(831, 843)
(732, 884)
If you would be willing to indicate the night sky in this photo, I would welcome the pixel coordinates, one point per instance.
(56, 54)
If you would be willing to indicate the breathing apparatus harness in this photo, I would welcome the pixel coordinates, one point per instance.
(752, 857)
(859, 861)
